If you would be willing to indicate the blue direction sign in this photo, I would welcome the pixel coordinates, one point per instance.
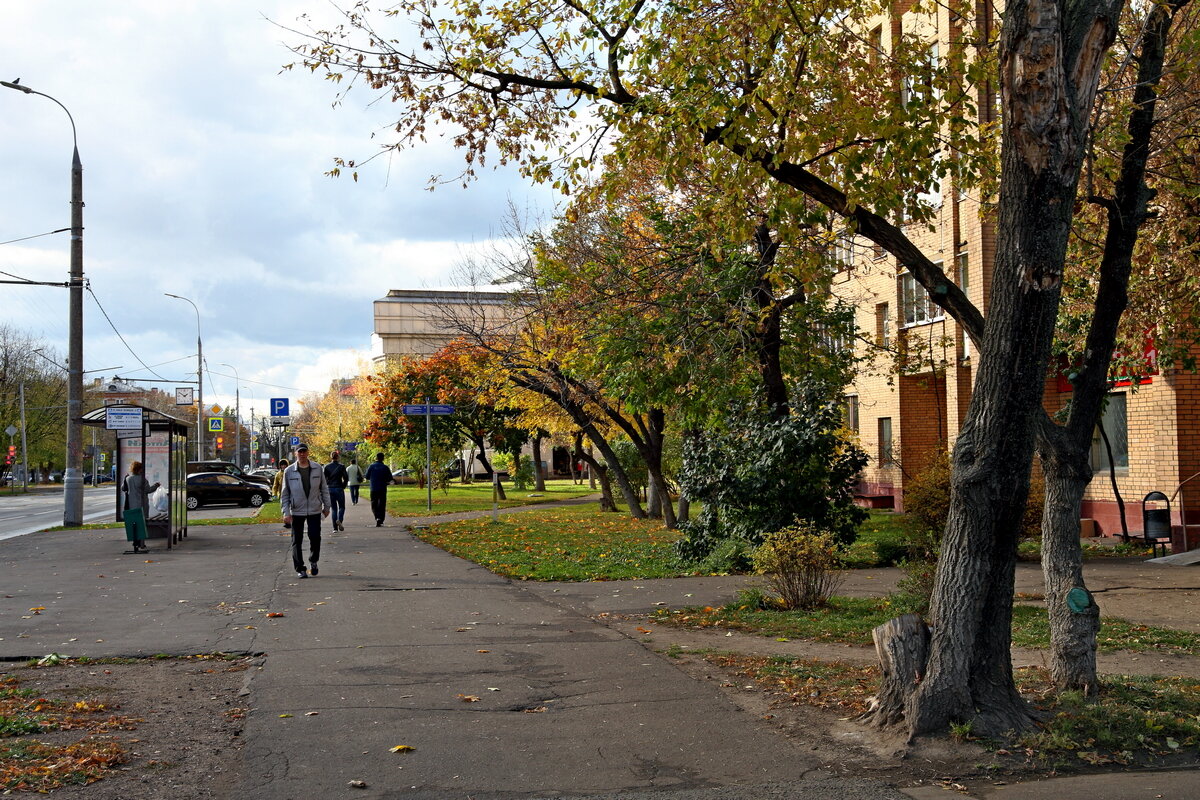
(429, 409)
(279, 406)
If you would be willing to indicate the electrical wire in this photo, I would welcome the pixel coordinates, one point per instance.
(35, 236)
(118, 333)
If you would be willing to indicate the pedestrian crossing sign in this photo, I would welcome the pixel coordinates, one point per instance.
(216, 424)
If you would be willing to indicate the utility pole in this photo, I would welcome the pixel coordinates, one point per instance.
(73, 474)
(199, 380)
(24, 444)
(237, 423)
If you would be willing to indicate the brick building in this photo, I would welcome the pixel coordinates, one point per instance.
(910, 398)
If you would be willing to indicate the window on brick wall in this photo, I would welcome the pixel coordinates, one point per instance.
(850, 412)
(1115, 420)
(964, 283)
(915, 305)
(883, 325)
(886, 454)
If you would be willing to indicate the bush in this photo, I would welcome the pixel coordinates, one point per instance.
(760, 474)
(801, 564)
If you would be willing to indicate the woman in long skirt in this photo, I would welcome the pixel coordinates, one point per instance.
(137, 505)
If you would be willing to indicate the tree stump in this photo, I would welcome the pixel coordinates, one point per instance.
(902, 645)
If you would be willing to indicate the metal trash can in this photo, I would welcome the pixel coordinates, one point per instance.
(1156, 521)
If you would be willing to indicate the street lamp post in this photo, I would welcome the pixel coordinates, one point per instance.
(73, 475)
(199, 381)
(237, 421)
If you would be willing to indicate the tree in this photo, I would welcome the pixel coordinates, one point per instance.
(27, 361)
(794, 92)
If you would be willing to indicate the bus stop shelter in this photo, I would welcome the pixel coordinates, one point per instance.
(159, 441)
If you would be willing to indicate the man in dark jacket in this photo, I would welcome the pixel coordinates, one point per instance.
(336, 477)
(379, 476)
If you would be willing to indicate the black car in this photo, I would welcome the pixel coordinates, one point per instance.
(210, 488)
(228, 468)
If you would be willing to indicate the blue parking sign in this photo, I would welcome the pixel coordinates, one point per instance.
(279, 406)
(295, 441)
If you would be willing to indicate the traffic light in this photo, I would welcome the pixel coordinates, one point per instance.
(220, 444)
(11, 458)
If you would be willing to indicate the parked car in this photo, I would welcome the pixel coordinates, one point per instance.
(228, 468)
(403, 476)
(210, 488)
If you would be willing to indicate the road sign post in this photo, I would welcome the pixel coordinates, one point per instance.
(428, 410)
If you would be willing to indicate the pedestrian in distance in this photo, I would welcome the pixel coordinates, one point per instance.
(304, 501)
(379, 476)
(277, 485)
(336, 477)
(137, 503)
(354, 479)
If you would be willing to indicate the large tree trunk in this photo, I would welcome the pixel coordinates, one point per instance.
(1074, 616)
(1050, 58)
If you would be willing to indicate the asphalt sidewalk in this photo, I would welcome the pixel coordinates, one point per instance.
(502, 689)
(499, 692)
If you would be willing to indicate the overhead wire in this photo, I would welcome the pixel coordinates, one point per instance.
(100, 305)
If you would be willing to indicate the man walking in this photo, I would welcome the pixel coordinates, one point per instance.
(303, 501)
(354, 475)
(379, 476)
(335, 476)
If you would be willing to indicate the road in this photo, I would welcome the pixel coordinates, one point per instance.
(21, 514)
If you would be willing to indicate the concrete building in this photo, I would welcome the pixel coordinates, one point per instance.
(911, 397)
(422, 321)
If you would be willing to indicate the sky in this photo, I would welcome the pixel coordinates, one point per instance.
(204, 176)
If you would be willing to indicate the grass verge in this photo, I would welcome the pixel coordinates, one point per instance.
(849, 620)
(572, 543)
(1136, 721)
(411, 501)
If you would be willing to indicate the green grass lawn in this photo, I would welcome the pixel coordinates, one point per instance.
(850, 620)
(574, 543)
(410, 500)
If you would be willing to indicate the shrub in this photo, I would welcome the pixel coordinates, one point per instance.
(800, 563)
(760, 474)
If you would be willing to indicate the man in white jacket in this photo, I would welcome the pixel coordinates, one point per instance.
(303, 501)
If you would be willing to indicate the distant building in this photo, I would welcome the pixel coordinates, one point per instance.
(422, 321)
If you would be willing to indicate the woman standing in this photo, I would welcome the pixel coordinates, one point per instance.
(137, 502)
(277, 485)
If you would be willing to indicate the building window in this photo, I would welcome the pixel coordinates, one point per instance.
(883, 325)
(918, 87)
(843, 252)
(875, 45)
(1115, 420)
(964, 283)
(886, 456)
(914, 302)
(850, 412)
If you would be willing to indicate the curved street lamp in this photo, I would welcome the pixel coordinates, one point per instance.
(73, 475)
(199, 381)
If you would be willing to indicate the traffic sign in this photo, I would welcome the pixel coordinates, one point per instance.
(216, 409)
(295, 441)
(432, 408)
(279, 407)
(11, 430)
(123, 419)
(216, 424)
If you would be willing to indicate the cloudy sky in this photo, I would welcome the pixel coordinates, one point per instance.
(204, 177)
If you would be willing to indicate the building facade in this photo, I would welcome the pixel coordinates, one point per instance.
(911, 396)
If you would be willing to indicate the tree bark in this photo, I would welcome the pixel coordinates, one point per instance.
(539, 477)
(607, 503)
(902, 645)
(1073, 625)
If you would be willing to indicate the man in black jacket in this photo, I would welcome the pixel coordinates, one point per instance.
(379, 476)
(336, 477)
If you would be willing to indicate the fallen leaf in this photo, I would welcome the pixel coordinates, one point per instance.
(493, 688)
(538, 710)
(461, 630)
(311, 713)
(402, 748)
(275, 614)
(284, 716)
(644, 630)
(483, 651)
(468, 698)
(358, 784)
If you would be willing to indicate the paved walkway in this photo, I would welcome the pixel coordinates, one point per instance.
(504, 689)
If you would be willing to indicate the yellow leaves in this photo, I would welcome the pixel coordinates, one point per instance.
(402, 748)
(286, 716)
(469, 698)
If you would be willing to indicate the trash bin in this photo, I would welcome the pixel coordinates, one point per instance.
(1156, 521)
